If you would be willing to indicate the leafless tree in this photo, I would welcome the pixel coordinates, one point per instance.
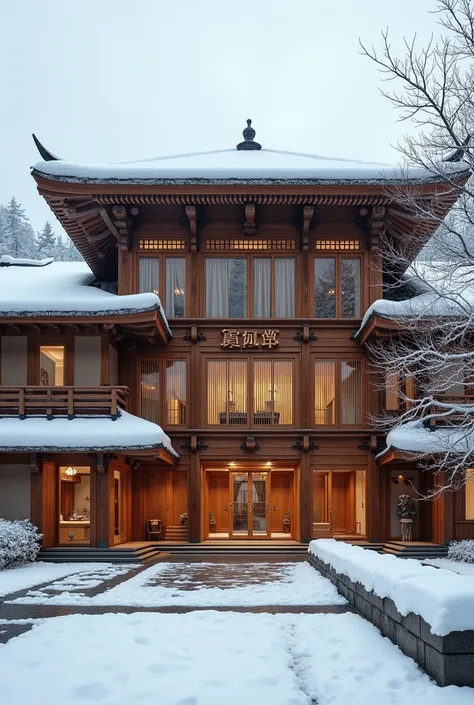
(432, 87)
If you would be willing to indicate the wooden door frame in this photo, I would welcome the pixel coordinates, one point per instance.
(249, 468)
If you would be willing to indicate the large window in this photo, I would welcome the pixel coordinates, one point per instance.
(337, 287)
(271, 392)
(163, 391)
(226, 288)
(52, 365)
(227, 392)
(273, 287)
(337, 392)
(270, 282)
(151, 273)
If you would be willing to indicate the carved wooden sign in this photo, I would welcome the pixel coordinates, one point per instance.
(233, 339)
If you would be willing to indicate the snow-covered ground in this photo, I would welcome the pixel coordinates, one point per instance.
(208, 585)
(460, 567)
(158, 659)
(27, 576)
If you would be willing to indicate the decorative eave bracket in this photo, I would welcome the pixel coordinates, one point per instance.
(194, 445)
(250, 444)
(250, 227)
(191, 214)
(305, 336)
(194, 336)
(306, 445)
(308, 214)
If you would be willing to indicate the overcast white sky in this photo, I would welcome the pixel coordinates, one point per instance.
(115, 80)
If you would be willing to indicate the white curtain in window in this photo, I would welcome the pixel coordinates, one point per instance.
(217, 288)
(149, 275)
(175, 287)
(262, 286)
(350, 392)
(284, 287)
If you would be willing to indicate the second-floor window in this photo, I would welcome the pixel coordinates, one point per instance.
(262, 287)
(264, 398)
(165, 276)
(163, 391)
(337, 283)
(337, 392)
(226, 287)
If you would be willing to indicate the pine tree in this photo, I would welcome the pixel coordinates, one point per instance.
(46, 242)
(17, 236)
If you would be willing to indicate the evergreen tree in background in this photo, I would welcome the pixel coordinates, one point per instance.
(46, 242)
(17, 237)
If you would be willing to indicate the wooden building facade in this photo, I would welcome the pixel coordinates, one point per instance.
(265, 264)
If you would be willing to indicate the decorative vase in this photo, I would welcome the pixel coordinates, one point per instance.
(406, 527)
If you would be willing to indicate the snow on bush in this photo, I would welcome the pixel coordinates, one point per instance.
(19, 543)
(461, 551)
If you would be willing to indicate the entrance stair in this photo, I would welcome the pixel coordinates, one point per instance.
(236, 547)
(126, 553)
(415, 549)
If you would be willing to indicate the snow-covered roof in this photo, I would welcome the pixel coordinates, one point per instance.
(232, 165)
(414, 437)
(65, 289)
(85, 433)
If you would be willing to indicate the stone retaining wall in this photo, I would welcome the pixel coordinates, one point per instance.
(448, 659)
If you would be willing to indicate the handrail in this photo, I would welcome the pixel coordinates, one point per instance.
(73, 401)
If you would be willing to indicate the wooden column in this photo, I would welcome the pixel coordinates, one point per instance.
(374, 499)
(44, 501)
(443, 518)
(102, 497)
(306, 499)
(195, 499)
(138, 504)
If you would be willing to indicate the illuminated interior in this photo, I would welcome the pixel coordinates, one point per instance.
(52, 365)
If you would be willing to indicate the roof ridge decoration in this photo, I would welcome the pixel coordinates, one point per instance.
(248, 134)
(45, 153)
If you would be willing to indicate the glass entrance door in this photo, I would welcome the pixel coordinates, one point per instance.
(250, 505)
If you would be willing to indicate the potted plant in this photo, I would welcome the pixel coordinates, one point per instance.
(407, 512)
(287, 522)
(183, 518)
(212, 522)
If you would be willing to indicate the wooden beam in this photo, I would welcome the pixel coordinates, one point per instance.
(98, 237)
(107, 220)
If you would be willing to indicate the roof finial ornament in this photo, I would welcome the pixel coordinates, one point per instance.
(249, 134)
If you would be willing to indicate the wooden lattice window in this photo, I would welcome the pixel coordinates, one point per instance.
(167, 244)
(337, 245)
(251, 245)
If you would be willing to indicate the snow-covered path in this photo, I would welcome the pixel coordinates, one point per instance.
(210, 658)
(203, 585)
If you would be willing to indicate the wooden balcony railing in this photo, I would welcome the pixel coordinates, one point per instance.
(50, 402)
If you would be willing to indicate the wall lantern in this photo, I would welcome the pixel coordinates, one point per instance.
(70, 471)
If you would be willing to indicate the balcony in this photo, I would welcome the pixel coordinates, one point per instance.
(50, 402)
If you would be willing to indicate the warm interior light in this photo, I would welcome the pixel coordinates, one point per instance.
(232, 464)
(400, 477)
(70, 471)
(268, 464)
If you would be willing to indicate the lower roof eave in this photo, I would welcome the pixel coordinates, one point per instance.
(150, 452)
